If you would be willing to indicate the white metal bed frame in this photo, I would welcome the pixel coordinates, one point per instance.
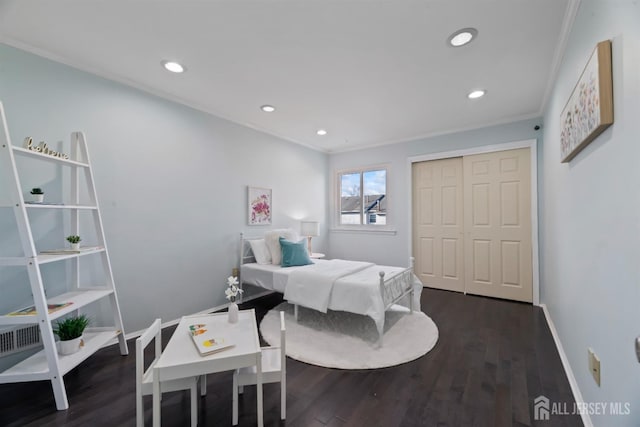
(392, 288)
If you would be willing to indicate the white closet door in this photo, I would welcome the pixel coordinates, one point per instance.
(497, 224)
(437, 223)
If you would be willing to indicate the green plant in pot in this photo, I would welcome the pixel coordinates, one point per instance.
(38, 194)
(74, 240)
(70, 332)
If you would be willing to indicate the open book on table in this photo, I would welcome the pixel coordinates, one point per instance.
(207, 342)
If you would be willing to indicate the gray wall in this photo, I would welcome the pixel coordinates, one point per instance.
(172, 246)
(590, 217)
(171, 182)
(394, 249)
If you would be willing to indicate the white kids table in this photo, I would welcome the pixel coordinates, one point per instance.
(181, 359)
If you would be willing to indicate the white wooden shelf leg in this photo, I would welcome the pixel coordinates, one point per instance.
(60, 394)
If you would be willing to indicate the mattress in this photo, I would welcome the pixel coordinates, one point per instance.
(356, 293)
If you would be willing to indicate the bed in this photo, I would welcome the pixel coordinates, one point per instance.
(340, 285)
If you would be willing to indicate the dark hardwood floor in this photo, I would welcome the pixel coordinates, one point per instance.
(492, 359)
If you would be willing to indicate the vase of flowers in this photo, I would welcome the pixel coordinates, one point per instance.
(231, 293)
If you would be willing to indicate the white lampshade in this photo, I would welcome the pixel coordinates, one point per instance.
(310, 228)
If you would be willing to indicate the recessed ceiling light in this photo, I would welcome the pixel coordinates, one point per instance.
(476, 94)
(462, 37)
(173, 66)
(321, 132)
(268, 108)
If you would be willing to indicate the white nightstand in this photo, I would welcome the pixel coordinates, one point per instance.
(316, 255)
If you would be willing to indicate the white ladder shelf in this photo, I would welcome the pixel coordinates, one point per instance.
(48, 364)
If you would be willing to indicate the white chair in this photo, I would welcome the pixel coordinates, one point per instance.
(144, 379)
(273, 371)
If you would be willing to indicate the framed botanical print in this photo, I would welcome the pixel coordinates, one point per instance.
(589, 110)
(259, 204)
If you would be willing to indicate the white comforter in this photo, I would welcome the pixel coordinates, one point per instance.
(312, 286)
(354, 288)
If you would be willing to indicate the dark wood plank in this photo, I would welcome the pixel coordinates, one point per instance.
(492, 359)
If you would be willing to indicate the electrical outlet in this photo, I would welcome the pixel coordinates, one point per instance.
(594, 366)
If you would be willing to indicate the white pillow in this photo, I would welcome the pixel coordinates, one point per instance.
(272, 239)
(260, 251)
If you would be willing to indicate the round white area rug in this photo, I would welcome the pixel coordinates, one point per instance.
(337, 339)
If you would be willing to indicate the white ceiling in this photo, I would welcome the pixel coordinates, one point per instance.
(369, 72)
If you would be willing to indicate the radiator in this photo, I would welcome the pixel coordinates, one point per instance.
(19, 338)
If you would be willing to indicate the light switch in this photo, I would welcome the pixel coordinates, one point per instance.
(594, 366)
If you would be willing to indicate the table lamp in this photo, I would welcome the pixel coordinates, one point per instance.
(310, 229)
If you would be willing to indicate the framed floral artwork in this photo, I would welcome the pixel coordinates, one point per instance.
(589, 110)
(259, 206)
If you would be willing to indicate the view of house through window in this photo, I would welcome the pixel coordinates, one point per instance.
(363, 197)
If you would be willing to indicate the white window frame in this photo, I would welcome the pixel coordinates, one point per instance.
(387, 228)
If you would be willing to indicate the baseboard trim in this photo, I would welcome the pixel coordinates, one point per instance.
(256, 296)
(176, 321)
(586, 419)
(136, 334)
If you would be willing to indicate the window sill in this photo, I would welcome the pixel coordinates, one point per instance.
(367, 230)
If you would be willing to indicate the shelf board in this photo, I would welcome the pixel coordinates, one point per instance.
(46, 258)
(78, 299)
(32, 153)
(46, 206)
(36, 367)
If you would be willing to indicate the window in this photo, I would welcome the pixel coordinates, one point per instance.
(363, 197)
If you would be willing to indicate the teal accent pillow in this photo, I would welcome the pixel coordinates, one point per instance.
(294, 253)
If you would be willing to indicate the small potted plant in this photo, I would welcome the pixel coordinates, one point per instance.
(75, 241)
(70, 332)
(38, 195)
